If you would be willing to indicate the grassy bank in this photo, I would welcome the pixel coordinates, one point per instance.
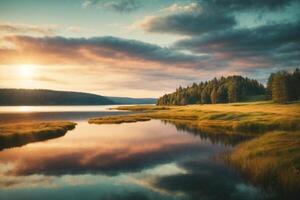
(237, 118)
(271, 160)
(118, 119)
(18, 134)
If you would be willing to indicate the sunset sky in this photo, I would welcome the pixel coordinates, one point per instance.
(143, 48)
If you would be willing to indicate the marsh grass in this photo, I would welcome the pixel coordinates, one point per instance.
(272, 159)
(118, 119)
(236, 118)
(18, 134)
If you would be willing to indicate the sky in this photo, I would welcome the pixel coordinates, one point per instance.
(140, 48)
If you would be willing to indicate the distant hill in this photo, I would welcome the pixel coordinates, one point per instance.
(127, 100)
(11, 97)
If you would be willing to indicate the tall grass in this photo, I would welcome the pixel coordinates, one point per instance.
(271, 160)
(18, 134)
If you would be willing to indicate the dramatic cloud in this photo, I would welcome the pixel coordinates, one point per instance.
(13, 28)
(264, 45)
(202, 16)
(61, 50)
(215, 28)
(186, 23)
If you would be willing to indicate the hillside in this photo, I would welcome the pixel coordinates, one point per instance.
(10, 97)
(128, 100)
(49, 97)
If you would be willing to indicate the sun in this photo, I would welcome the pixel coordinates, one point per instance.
(27, 71)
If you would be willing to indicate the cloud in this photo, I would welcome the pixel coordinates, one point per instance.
(201, 16)
(238, 5)
(265, 45)
(123, 6)
(15, 28)
(186, 23)
(105, 50)
(175, 8)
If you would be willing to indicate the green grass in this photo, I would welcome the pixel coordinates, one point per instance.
(18, 134)
(271, 159)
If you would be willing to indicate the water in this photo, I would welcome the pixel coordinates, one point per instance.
(144, 160)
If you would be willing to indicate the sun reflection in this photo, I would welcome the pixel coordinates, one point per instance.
(24, 108)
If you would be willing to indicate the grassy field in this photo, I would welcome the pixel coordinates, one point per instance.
(18, 134)
(272, 158)
(236, 118)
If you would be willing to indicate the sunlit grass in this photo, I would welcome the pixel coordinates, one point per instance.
(17, 134)
(273, 158)
(234, 118)
(118, 119)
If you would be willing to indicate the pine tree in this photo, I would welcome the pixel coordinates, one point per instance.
(280, 88)
(213, 96)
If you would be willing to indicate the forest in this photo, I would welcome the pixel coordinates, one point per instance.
(282, 87)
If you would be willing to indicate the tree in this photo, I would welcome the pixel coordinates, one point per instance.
(222, 90)
(232, 93)
(269, 86)
(280, 88)
(213, 96)
(222, 95)
(205, 97)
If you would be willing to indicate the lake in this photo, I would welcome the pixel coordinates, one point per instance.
(144, 160)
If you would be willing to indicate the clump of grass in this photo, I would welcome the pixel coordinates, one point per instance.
(18, 134)
(271, 160)
(118, 119)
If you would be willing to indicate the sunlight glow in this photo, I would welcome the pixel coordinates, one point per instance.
(27, 71)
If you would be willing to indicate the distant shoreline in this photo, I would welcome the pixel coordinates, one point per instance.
(42, 97)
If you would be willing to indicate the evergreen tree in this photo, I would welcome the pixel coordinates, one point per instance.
(213, 96)
(280, 88)
(284, 86)
(222, 90)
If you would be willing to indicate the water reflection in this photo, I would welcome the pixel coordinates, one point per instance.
(144, 160)
(66, 108)
(215, 138)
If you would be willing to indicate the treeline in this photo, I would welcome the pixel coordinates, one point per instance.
(222, 90)
(284, 86)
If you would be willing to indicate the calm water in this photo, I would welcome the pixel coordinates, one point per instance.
(144, 160)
